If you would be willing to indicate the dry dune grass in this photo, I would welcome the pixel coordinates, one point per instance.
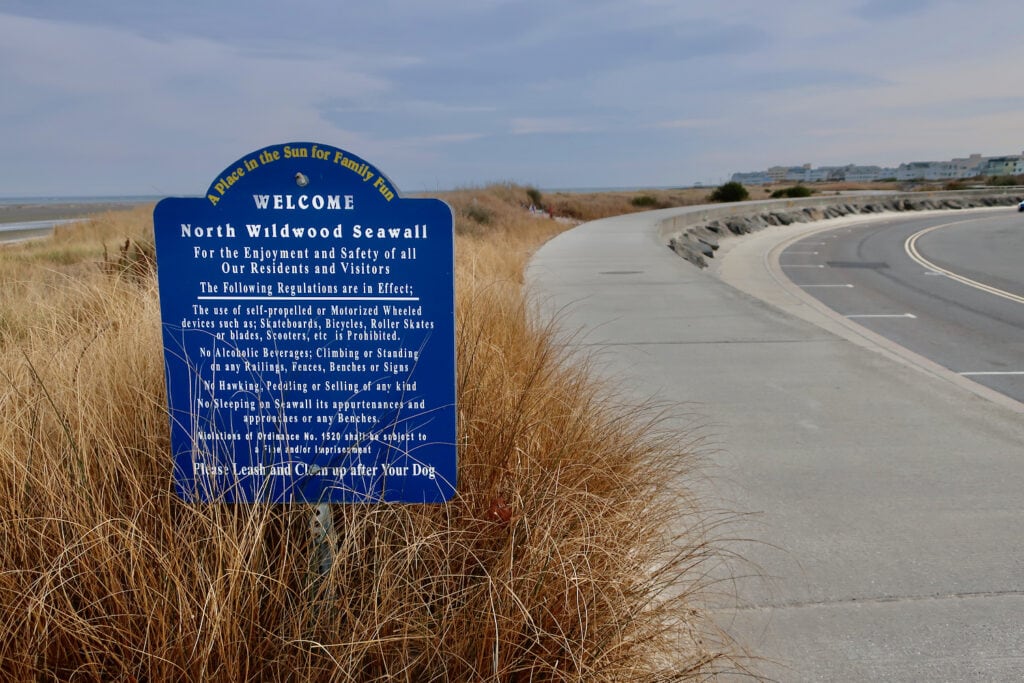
(555, 561)
(591, 206)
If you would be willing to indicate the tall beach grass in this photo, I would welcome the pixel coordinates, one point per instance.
(571, 552)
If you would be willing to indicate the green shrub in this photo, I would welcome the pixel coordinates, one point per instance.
(1003, 181)
(479, 214)
(644, 201)
(535, 196)
(730, 192)
(792, 192)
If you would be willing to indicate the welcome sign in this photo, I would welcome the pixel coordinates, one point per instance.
(308, 318)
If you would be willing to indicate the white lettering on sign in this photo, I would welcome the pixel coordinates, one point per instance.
(317, 202)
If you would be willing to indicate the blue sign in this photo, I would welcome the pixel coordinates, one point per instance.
(309, 334)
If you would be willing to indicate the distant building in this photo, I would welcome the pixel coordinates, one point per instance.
(775, 174)
(954, 169)
(817, 175)
(794, 174)
(755, 178)
(864, 174)
(968, 167)
(1002, 166)
(915, 170)
(938, 170)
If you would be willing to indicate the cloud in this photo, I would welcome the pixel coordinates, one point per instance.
(446, 138)
(92, 94)
(109, 96)
(687, 124)
(554, 125)
(875, 10)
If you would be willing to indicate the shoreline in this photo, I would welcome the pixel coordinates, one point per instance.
(29, 211)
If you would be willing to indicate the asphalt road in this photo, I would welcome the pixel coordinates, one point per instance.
(949, 287)
(880, 495)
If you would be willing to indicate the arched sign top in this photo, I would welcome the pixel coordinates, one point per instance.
(311, 168)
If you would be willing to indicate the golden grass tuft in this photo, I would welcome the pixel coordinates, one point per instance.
(571, 551)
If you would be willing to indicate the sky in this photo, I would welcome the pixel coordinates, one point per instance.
(122, 97)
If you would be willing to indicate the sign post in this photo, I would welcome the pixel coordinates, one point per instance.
(308, 317)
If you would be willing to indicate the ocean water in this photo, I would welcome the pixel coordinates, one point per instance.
(49, 201)
(21, 218)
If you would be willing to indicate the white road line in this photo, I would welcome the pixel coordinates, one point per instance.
(803, 253)
(799, 265)
(910, 246)
(882, 315)
(810, 286)
(980, 374)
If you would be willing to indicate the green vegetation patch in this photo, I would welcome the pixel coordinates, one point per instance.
(793, 192)
(645, 201)
(729, 192)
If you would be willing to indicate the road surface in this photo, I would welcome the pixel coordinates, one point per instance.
(949, 287)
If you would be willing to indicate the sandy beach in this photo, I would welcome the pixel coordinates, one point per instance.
(22, 212)
(28, 220)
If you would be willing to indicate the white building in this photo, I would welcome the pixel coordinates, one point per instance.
(755, 178)
(954, 169)
(817, 175)
(780, 174)
(1003, 165)
(968, 167)
(865, 174)
(915, 170)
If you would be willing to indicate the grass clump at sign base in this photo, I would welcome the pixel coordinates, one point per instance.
(553, 562)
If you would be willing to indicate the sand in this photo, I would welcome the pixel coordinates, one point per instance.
(28, 212)
(17, 213)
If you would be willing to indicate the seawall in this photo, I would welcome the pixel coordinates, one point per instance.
(694, 232)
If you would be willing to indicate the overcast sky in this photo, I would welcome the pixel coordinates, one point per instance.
(113, 97)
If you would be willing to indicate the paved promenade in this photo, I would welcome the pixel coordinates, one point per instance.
(886, 502)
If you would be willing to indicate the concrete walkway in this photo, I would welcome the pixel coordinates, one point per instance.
(886, 502)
